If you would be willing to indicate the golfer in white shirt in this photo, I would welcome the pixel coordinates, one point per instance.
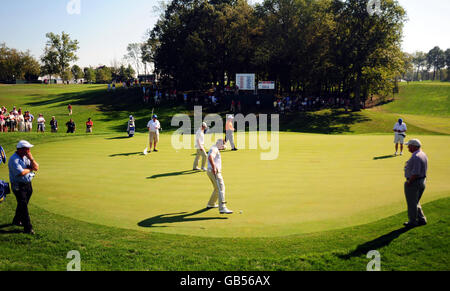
(400, 135)
(153, 127)
(215, 175)
(200, 146)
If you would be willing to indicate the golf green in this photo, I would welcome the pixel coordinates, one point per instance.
(318, 182)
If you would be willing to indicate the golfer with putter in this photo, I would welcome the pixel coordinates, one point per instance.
(416, 175)
(22, 166)
(200, 146)
(400, 135)
(215, 176)
(153, 127)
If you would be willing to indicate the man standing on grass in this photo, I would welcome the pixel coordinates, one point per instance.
(71, 127)
(230, 132)
(416, 174)
(22, 166)
(41, 123)
(400, 135)
(215, 176)
(153, 128)
(200, 146)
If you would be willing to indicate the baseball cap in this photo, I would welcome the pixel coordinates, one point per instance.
(155, 116)
(414, 142)
(24, 144)
(204, 125)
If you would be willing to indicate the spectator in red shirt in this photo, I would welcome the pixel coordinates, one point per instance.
(89, 125)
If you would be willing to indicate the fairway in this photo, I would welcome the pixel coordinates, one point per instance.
(318, 183)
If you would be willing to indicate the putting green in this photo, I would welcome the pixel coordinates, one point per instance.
(318, 183)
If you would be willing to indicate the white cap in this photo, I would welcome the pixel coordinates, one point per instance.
(415, 143)
(230, 116)
(204, 125)
(24, 144)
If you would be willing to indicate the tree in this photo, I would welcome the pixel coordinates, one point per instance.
(420, 62)
(447, 62)
(89, 75)
(59, 52)
(436, 60)
(17, 65)
(77, 73)
(134, 55)
(103, 75)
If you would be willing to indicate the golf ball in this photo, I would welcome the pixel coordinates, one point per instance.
(240, 212)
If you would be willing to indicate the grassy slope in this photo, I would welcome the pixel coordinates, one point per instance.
(107, 248)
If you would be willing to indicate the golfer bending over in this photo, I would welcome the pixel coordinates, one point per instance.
(215, 175)
(200, 146)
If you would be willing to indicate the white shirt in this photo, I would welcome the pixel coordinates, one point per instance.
(199, 139)
(154, 125)
(215, 153)
(402, 127)
(41, 120)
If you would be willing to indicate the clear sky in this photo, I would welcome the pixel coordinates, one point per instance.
(105, 27)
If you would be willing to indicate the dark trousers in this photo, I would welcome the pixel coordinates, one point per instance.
(23, 194)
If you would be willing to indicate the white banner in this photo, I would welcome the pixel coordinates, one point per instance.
(266, 85)
(245, 81)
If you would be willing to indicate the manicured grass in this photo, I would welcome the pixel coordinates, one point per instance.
(107, 248)
(108, 181)
(322, 205)
(427, 98)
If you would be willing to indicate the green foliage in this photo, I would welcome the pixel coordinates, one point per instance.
(90, 75)
(16, 65)
(77, 73)
(103, 75)
(59, 52)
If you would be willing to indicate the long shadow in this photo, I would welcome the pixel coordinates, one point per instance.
(384, 157)
(127, 154)
(176, 217)
(375, 244)
(9, 231)
(118, 137)
(190, 172)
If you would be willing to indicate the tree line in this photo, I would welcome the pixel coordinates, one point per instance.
(315, 47)
(429, 66)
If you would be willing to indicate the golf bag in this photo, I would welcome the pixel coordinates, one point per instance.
(4, 190)
(4, 187)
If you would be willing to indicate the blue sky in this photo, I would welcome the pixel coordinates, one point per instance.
(105, 27)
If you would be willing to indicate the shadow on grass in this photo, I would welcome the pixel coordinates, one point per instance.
(127, 154)
(375, 244)
(14, 231)
(177, 217)
(190, 172)
(118, 137)
(333, 121)
(384, 157)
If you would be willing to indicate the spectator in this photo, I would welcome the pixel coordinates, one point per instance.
(70, 109)
(71, 127)
(54, 124)
(21, 121)
(2, 122)
(41, 123)
(89, 125)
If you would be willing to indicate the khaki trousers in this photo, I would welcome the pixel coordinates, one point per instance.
(219, 190)
(413, 194)
(230, 138)
(202, 154)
